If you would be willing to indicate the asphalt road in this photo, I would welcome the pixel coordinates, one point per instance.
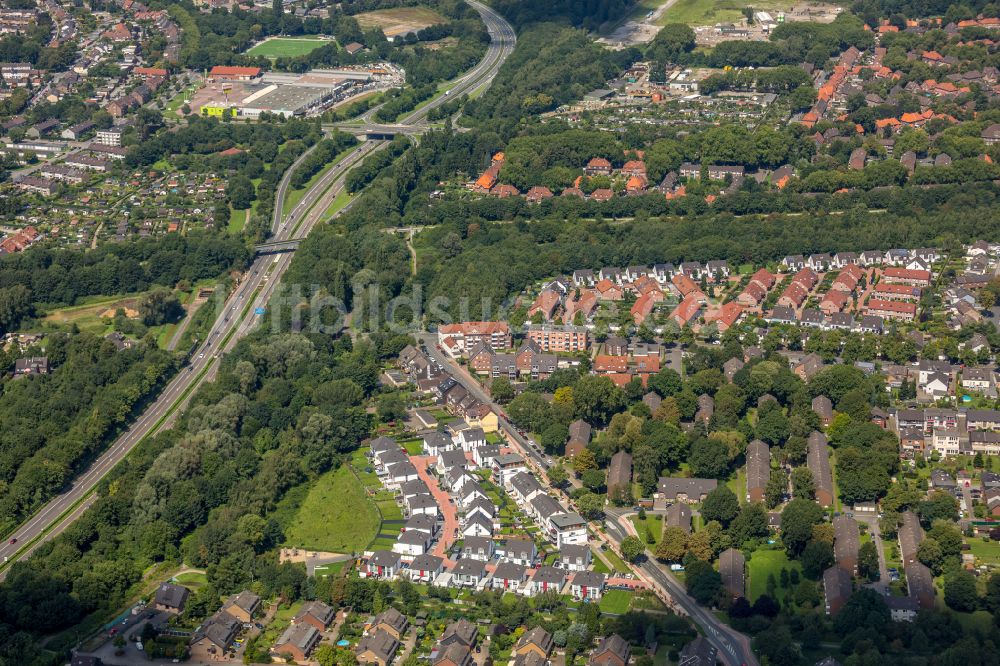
(733, 647)
(461, 375)
(236, 318)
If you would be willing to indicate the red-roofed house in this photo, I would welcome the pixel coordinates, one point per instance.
(546, 303)
(726, 316)
(606, 365)
(687, 310)
(609, 291)
(834, 301)
(598, 166)
(538, 193)
(793, 296)
(643, 306)
(915, 277)
(892, 309)
(752, 295)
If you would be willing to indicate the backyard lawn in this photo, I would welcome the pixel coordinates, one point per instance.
(763, 563)
(616, 601)
(986, 551)
(414, 447)
(237, 220)
(335, 516)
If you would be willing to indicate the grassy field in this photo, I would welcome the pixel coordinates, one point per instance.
(617, 562)
(237, 220)
(763, 563)
(616, 601)
(414, 447)
(335, 516)
(191, 579)
(287, 47)
(702, 12)
(655, 523)
(985, 552)
(399, 20)
(738, 485)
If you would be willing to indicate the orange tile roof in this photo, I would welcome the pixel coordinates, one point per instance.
(608, 364)
(686, 310)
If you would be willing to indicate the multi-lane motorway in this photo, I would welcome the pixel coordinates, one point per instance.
(239, 313)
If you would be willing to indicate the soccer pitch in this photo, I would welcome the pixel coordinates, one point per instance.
(287, 47)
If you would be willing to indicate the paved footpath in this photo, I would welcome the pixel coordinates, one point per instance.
(444, 502)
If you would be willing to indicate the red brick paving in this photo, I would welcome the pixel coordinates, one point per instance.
(447, 507)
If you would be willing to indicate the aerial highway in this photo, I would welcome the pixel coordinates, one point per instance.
(240, 312)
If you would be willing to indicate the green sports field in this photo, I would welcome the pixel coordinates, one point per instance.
(287, 47)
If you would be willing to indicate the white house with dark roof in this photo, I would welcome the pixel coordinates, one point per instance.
(436, 442)
(520, 551)
(568, 528)
(411, 543)
(478, 548)
(587, 585)
(575, 557)
(425, 568)
(383, 564)
(505, 467)
(546, 579)
(470, 491)
(468, 572)
(421, 504)
(524, 487)
(477, 525)
(450, 459)
(508, 576)
(471, 439)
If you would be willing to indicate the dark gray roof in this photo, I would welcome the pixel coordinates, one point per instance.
(589, 579)
(381, 643)
(673, 486)
(221, 628)
(384, 558)
(171, 595)
(469, 567)
(391, 618)
(426, 562)
(509, 571)
(549, 575)
(302, 636)
(318, 610)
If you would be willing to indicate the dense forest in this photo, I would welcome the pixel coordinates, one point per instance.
(590, 14)
(54, 423)
(551, 65)
(60, 277)
(283, 410)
